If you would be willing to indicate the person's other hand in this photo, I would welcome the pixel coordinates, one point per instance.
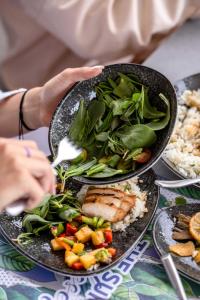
(48, 96)
(25, 173)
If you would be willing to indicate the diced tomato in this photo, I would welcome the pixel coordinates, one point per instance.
(102, 245)
(62, 235)
(144, 156)
(108, 236)
(77, 266)
(112, 251)
(71, 229)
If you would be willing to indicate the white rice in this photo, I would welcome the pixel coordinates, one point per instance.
(129, 186)
(184, 147)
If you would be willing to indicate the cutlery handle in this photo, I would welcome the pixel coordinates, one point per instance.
(176, 183)
(16, 208)
(55, 162)
(173, 276)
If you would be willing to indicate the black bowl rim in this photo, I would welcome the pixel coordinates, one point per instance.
(106, 267)
(147, 166)
(158, 248)
(167, 163)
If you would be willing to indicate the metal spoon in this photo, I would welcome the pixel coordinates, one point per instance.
(176, 183)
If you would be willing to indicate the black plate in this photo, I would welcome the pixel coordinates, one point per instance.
(188, 83)
(162, 235)
(40, 252)
(65, 111)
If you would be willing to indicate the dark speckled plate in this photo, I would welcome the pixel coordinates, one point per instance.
(40, 252)
(65, 111)
(188, 83)
(162, 235)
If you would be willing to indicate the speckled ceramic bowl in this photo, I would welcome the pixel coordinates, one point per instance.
(162, 235)
(65, 111)
(40, 251)
(188, 83)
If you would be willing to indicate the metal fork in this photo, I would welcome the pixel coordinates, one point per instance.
(67, 150)
(174, 277)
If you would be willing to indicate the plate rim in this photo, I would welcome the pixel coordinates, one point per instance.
(94, 272)
(158, 248)
(167, 162)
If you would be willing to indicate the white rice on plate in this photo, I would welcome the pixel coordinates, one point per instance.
(183, 149)
(129, 186)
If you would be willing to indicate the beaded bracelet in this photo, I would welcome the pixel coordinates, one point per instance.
(21, 118)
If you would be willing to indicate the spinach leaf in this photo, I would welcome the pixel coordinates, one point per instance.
(106, 123)
(77, 128)
(125, 87)
(102, 136)
(120, 106)
(96, 110)
(149, 111)
(160, 124)
(137, 136)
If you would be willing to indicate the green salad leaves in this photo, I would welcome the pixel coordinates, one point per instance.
(120, 121)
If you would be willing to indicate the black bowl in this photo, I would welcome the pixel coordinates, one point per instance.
(188, 83)
(40, 251)
(66, 109)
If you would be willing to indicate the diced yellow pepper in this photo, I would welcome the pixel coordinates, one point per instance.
(78, 248)
(56, 246)
(84, 234)
(197, 257)
(97, 237)
(87, 260)
(70, 258)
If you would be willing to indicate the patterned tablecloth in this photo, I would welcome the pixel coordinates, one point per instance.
(139, 276)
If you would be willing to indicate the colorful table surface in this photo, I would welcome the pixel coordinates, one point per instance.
(140, 276)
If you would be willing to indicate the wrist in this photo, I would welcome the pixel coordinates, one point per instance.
(31, 108)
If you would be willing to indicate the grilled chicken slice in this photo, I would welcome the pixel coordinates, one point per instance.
(100, 210)
(105, 191)
(109, 203)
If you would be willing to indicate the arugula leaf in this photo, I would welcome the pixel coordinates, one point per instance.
(30, 219)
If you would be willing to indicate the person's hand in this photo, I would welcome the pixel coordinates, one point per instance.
(24, 173)
(48, 96)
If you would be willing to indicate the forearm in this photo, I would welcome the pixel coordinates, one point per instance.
(9, 113)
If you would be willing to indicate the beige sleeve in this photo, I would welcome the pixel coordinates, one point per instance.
(111, 28)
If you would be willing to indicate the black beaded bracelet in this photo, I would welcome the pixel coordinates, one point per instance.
(21, 118)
